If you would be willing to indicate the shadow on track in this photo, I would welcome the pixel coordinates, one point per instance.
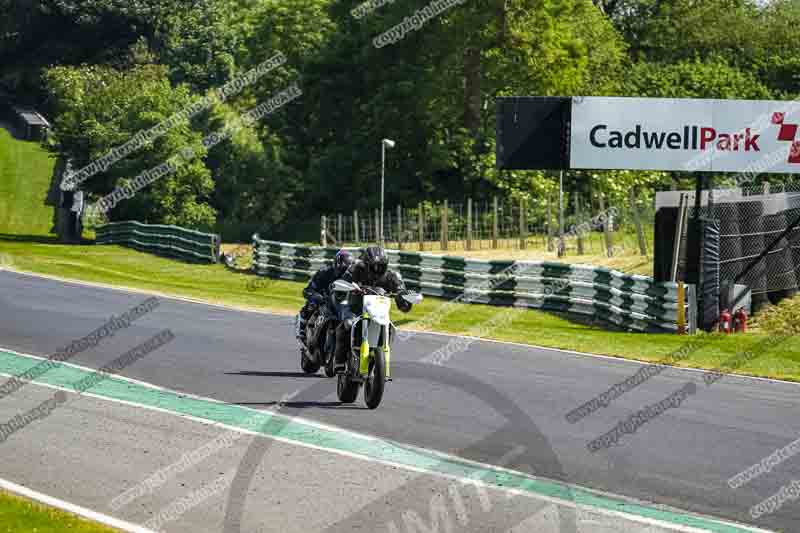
(274, 374)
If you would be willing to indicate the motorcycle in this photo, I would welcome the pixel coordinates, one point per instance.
(371, 336)
(318, 349)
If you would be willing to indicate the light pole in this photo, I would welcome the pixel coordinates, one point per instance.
(385, 143)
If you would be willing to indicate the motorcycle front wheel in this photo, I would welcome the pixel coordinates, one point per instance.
(376, 379)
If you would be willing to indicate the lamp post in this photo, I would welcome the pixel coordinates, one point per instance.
(385, 143)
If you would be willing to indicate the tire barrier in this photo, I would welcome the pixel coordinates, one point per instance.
(171, 241)
(633, 302)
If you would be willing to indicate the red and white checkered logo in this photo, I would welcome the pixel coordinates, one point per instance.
(788, 133)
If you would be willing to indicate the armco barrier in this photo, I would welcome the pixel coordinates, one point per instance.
(631, 301)
(172, 241)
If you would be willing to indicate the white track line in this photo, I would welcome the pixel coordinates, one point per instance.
(403, 466)
(414, 331)
(72, 508)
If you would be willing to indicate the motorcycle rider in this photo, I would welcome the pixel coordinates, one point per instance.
(317, 289)
(371, 270)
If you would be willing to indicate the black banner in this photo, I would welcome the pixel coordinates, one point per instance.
(533, 132)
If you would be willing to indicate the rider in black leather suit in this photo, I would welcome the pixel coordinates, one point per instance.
(317, 289)
(371, 270)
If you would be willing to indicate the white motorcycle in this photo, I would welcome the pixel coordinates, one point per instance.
(371, 336)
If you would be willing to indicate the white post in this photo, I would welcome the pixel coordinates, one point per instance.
(691, 290)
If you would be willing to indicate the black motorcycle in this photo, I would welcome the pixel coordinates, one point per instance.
(320, 341)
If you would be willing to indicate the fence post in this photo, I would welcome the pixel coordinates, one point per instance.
(339, 228)
(323, 234)
(355, 227)
(469, 224)
(638, 221)
(421, 224)
(444, 227)
(494, 223)
(606, 231)
(547, 225)
(578, 222)
(523, 225)
(399, 227)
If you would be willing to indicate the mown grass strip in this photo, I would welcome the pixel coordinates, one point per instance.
(123, 267)
(20, 515)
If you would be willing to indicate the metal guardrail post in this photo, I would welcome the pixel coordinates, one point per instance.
(676, 250)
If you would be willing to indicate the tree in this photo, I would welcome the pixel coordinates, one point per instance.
(710, 78)
(99, 108)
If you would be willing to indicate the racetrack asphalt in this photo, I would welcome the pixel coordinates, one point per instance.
(480, 404)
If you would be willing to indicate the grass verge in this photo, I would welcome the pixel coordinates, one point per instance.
(123, 267)
(20, 515)
(26, 170)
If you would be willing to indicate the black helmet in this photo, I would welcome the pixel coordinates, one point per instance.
(342, 261)
(376, 261)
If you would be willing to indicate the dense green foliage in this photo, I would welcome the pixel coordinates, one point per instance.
(105, 69)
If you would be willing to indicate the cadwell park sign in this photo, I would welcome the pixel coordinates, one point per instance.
(648, 134)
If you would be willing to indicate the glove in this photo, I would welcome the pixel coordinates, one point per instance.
(316, 298)
(403, 305)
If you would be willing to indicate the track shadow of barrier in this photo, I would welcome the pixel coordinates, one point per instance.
(492, 449)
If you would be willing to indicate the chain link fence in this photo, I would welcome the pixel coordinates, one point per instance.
(750, 219)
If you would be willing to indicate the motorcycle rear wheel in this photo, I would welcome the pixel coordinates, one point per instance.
(376, 379)
(329, 368)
